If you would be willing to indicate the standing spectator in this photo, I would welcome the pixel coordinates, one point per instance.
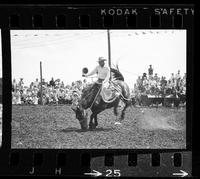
(173, 83)
(150, 70)
(32, 85)
(178, 76)
(36, 83)
(21, 84)
(14, 85)
(62, 85)
(44, 83)
(139, 81)
(155, 77)
(163, 82)
(52, 82)
(172, 77)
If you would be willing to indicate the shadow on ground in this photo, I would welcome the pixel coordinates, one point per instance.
(73, 129)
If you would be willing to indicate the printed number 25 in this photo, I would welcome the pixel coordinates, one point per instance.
(115, 173)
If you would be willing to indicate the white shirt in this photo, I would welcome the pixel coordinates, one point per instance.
(178, 76)
(36, 84)
(102, 73)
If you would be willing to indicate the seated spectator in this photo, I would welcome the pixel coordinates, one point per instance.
(173, 83)
(144, 76)
(16, 97)
(57, 83)
(163, 82)
(24, 95)
(35, 99)
(145, 81)
(169, 85)
(29, 96)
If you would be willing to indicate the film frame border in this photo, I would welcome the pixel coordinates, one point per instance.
(21, 17)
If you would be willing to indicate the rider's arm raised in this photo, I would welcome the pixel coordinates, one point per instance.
(92, 72)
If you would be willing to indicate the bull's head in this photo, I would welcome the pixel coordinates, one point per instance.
(81, 115)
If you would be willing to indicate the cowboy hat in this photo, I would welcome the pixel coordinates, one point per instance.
(85, 70)
(101, 59)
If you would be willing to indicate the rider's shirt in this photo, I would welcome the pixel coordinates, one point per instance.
(102, 73)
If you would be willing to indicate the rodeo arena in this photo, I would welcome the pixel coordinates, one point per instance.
(155, 118)
(99, 110)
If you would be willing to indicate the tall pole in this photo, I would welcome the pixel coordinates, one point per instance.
(109, 51)
(41, 83)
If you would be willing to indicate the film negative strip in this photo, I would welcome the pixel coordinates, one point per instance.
(66, 67)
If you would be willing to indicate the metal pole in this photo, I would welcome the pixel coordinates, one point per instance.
(41, 83)
(109, 51)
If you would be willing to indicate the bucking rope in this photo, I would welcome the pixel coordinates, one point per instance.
(95, 97)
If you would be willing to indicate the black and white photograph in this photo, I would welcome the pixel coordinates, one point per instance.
(98, 89)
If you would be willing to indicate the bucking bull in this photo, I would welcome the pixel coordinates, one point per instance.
(97, 104)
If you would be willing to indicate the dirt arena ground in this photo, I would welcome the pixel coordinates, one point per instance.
(56, 127)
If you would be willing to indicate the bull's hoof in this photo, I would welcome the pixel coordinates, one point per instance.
(84, 130)
(92, 126)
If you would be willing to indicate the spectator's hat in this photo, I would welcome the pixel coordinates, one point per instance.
(101, 59)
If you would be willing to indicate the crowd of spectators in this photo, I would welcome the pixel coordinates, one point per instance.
(153, 85)
(53, 92)
(56, 92)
